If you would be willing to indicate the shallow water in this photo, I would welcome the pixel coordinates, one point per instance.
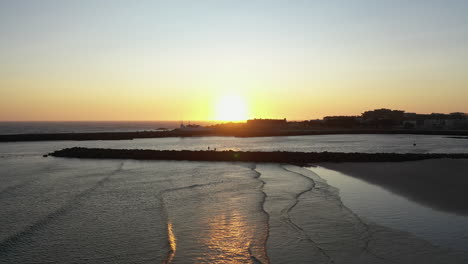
(126, 211)
(316, 143)
(122, 211)
(380, 206)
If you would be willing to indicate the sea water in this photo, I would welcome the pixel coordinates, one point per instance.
(57, 210)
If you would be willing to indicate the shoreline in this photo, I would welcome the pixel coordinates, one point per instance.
(246, 156)
(439, 184)
(214, 133)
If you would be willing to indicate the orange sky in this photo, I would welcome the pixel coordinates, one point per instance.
(155, 61)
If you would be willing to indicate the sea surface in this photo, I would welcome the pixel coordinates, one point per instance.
(381, 206)
(316, 143)
(57, 210)
(41, 127)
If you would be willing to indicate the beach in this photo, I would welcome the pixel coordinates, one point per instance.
(439, 184)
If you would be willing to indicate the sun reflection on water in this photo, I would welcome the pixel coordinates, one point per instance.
(218, 228)
(172, 244)
(228, 239)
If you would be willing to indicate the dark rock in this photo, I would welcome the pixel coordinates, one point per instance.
(246, 156)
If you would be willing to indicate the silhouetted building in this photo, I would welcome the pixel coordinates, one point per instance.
(316, 123)
(455, 120)
(341, 121)
(193, 127)
(266, 123)
(380, 114)
(383, 117)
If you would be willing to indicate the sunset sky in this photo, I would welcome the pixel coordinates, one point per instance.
(205, 60)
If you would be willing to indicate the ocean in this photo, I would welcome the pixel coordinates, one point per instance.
(42, 127)
(57, 210)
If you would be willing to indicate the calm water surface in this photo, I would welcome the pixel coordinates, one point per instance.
(383, 207)
(122, 211)
(332, 143)
(87, 126)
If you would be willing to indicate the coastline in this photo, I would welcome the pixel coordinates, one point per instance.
(406, 180)
(216, 132)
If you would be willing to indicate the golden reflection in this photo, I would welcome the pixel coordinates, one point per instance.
(172, 244)
(229, 239)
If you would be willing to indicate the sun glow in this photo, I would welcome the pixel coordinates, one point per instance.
(231, 108)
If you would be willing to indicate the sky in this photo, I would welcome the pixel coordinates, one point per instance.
(177, 60)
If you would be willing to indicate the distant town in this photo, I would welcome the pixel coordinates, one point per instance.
(373, 119)
(378, 121)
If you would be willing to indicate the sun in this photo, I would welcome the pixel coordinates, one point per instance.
(231, 108)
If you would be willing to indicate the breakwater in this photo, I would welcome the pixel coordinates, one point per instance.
(246, 156)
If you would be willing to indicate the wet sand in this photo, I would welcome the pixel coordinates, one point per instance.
(439, 184)
(308, 222)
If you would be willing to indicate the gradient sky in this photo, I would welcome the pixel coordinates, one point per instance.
(172, 60)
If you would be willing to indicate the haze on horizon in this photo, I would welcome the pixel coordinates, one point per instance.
(173, 60)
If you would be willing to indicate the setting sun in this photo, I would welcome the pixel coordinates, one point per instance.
(231, 108)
